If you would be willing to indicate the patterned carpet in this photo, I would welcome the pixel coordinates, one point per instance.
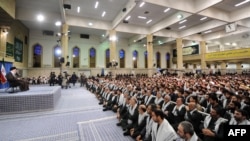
(77, 117)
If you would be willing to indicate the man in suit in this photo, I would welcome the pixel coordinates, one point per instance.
(12, 78)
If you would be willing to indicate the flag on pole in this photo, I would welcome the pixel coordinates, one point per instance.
(3, 73)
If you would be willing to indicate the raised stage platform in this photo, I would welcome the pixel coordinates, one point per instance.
(36, 99)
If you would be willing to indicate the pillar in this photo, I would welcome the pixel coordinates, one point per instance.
(179, 56)
(223, 67)
(150, 55)
(203, 54)
(64, 43)
(112, 49)
(238, 68)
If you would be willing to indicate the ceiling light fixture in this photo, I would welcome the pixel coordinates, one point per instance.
(103, 13)
(78, 9)
(96, 4)
(179, 16)
(128, 17)
(182, 27)
(149, 21)
(204, 18)
(142, 4)
(58, 23)
(141, 17)
(40, 18)
(241, 3)
(90, 24)
(182, 21)
(166, 10)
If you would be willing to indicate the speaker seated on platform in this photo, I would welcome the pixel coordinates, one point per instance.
(62, 60)
(68, 64)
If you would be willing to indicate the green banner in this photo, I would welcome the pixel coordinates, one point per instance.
(9, 50)
(18, 50)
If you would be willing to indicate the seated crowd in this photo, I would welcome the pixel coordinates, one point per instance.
(166, 108)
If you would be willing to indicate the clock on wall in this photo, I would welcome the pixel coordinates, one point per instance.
(230, 27)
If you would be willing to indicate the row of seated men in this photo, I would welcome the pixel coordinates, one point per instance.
(208, 108)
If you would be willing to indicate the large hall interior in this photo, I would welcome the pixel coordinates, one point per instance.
(185, 47)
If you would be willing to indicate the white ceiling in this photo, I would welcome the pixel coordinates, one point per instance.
(219, 13)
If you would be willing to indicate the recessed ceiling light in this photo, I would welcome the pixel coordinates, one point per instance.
(166, 10)
(128, 17)
(103, 13)
(78, 9)
(149, 21)
(241, 3)
(40, 18)
(58, 23)
(90, 24)
(142, 4)
(182, 21)
(96, 4)
(182, 27)
(179, 16)
(204, 18)
(141, 17)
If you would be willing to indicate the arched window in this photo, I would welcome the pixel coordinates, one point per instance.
(146, 59)
(158, 59)
(92, 58)
(37, 56)
(122, 58)
(167, 60)
(107, 57)
(57, 56)
(135, 58)
(76, 57)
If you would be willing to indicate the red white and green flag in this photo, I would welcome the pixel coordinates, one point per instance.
(3, 73)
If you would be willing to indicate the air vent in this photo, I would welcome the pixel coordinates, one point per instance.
(67, 6)
(168, 28)
(85, 36)
(48, 33)
(124, 21)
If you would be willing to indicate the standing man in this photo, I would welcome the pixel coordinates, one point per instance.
(12, 77)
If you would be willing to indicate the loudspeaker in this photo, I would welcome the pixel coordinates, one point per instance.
(67, 6)
(62, 60)
(68, 64)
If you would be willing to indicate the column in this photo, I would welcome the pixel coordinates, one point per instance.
(64, 43)
(223, 67)
(203, 55)
(238, 68)
(150, 55)
(112, 49)
(179, 56)
(3, 37)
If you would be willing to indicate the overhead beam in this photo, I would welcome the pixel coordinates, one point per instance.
(183, 5)
(242, 13)
(122, 15)
(168, 22)
(215, 13)
(62, 10)
(201, 5)
(80, 22)
(203, 27)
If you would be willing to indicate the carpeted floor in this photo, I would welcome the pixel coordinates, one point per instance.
(76, 117)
